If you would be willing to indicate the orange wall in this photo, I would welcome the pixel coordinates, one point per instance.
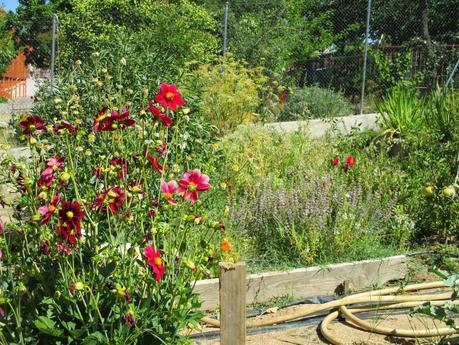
(12, 82)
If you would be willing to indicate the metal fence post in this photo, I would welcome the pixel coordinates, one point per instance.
(225, 33)
(365, 57)
(53, 48)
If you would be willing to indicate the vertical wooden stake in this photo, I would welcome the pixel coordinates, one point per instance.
(232, 303)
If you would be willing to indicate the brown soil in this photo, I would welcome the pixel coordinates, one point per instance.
(346, 332)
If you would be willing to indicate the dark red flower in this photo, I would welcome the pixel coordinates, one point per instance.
(350, 162)
(121, 166)
(70, 216)
(32, 124)
(46, 180)
(335, 161)
(1, 227)
(68, 234)
(169, 97)
(163, 118)
(152, 159)
(43, 248)
(104, 121)
(129, 318)
(98, 172)
(111, 199)
(60, 127)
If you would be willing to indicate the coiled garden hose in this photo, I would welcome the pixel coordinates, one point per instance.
(391, 298)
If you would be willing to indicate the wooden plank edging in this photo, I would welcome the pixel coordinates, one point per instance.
(312, 281)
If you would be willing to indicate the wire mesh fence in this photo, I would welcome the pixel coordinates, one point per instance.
(358, 48)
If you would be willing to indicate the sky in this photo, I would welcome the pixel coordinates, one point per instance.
(9, 5)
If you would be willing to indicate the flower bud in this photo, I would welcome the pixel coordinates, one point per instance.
(429, 190)
(123, 61)
(65, 177)
(449, 192)
(21, 288)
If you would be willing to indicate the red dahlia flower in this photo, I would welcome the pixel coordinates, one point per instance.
(168, 190)
(46, 180)
(105, 121)
(70, 216)
(52, 165)
(32, 124)
(111, 199)
(64, 249)
(121, 166)
(192, 183)
(154, 261)
(152, 159)
(60, 127)
(335, 161)
(169, 97)
(65, 232)
(48, 210)
(350, 162)
(163, 118)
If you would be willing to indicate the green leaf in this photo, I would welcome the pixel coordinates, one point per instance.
(94, 339)
(47, 326)
(108, 269)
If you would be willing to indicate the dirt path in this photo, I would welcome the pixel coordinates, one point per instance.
(346, 332)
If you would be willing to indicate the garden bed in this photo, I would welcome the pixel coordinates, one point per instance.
(308, 282)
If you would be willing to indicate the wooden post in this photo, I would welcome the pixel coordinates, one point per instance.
(232, 303)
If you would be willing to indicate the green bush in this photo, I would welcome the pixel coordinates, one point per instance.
(441, 112)
(315, 102)
(401, 111)
(228, 93)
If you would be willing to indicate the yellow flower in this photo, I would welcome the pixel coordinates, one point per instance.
(223, 185)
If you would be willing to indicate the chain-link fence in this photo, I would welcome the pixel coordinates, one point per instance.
(359, 48)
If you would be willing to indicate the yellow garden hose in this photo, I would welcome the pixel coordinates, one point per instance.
(391, 298)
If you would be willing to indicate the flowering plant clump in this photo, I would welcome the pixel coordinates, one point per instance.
(110, 231)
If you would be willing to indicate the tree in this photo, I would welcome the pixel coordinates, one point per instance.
(32, 25)
(7, 51)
